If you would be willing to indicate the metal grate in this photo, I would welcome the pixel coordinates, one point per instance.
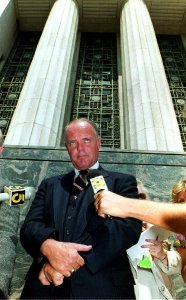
(96, 88)
(13, 74)
(174, 59)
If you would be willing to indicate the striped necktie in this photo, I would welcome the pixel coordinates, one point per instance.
(79, 183)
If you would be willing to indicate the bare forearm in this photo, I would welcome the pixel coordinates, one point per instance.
(167, 215)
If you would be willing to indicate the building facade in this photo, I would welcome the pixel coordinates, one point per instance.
(99, 59)
(133, 108)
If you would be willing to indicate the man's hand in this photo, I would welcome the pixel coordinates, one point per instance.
(64, 257)
(49, 275)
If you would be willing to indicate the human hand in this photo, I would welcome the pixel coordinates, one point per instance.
(49, 275)
(156, 248)
(64, 257)
(108, 203)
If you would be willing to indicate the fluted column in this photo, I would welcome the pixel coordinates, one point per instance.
(149, 116)
(41, 107)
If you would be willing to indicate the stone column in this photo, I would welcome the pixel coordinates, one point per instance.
(149, 115)
(39, 114)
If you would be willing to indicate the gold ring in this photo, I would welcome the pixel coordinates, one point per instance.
(72, 270)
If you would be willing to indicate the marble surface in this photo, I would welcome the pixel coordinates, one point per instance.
(28, 166)
(158, 170)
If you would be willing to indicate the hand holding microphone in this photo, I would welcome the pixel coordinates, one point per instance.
(98, 185)
(109, 204)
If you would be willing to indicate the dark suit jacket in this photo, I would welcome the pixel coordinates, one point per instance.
(106, 273)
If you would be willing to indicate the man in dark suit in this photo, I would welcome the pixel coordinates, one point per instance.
(77, 254)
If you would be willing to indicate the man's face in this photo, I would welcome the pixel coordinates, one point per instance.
(82, 145)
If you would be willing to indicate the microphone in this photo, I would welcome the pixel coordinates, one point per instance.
(16, 195)
(98, 183)
(97, 180)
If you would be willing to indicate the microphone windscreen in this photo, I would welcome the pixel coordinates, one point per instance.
(93, 173)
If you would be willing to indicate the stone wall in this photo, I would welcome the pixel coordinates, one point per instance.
(28, 166)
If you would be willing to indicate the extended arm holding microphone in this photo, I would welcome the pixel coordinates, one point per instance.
(167, 215)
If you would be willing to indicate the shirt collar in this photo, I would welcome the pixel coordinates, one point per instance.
(95, 166)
